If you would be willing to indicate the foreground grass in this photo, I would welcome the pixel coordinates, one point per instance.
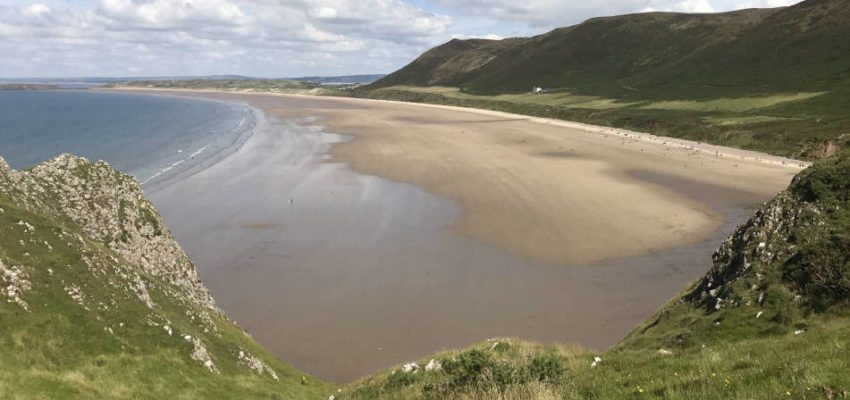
(785, 366)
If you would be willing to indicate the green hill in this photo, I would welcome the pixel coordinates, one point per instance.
(797, 48)
(100, 302)
(770, 320)
(774, 80)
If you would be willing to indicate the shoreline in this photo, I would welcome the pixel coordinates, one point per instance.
(201, 159)
(171, 177)
(683, 229)
(705, 148)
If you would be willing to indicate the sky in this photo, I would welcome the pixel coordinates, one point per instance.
(277, 38)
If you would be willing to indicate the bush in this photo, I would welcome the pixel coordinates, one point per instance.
(547, 367)
(822, 271)
(468, 368)
(399, 380)
(825, 182)
(478, 369)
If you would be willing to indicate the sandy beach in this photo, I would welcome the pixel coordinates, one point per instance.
(428, 227)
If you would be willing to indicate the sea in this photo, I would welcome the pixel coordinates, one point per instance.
(152, 137)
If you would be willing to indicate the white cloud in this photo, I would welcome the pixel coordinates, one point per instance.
(255, 37)
(686, 6)
(171, 13)
(547, 14)
(36, 10)
(490, 36)
(764, 3)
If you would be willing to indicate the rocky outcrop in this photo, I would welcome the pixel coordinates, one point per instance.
(110, 207)
(797, 241)
(15, 282)
(83, 236)
(764, 240)
(255, 364)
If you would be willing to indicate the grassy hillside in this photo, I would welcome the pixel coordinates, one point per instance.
(99, 301)
(773, 80)
(771, 319)
(797, 48)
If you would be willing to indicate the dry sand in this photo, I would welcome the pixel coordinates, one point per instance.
(540, 229)
(547, 190)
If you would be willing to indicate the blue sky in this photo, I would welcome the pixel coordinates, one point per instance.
(276, 38)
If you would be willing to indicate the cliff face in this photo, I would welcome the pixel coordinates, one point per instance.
(101, 301)
(109, 208)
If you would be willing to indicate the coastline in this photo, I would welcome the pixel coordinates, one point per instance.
(206, 156)
(706, 148)
(301, 234)
(173, 175)
(525, 225)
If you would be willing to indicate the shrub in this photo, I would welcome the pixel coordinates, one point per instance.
(399, 380)
(468, 368)
(822, 271)
(825, 182)
(548, 367)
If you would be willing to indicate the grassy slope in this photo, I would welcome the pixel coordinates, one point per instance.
(798, 48)
(71, 227)
(770, 320)
(636, 71)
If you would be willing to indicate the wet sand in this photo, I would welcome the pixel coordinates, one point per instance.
(488, 225)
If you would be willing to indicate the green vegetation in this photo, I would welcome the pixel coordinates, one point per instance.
(771, 319)
(98, 301)
(805, 129)
(27, 86)
(245, 85)
(734, 105)
(778, 77)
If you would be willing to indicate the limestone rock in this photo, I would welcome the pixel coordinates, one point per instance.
(16, 282)
(433, 365)
(410, 368)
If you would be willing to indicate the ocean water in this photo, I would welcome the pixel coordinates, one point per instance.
(149, 137)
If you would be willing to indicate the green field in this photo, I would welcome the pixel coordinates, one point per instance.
(799, 125)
